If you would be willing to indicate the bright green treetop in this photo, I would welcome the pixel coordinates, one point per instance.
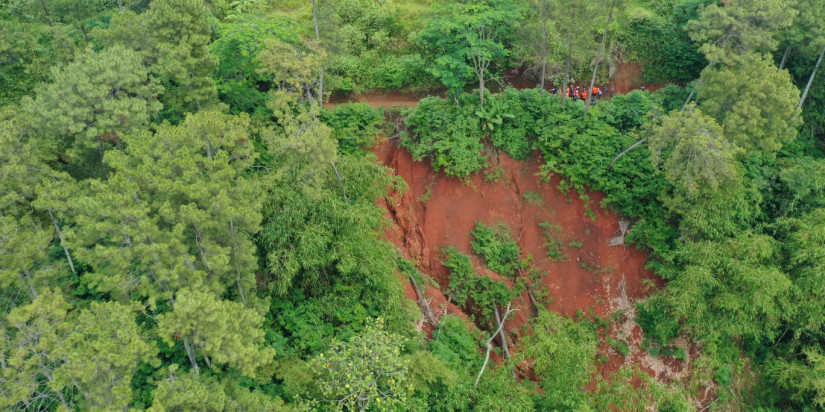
(94, 101)
(366, 372)
(173, 37)
(470, 38)
(740, 27)
(101, 353)
(562, 352)
(754, 103)
(223, 332)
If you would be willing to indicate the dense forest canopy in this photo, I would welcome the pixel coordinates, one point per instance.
(186, 225)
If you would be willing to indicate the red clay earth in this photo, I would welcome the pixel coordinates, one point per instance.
(438, 210)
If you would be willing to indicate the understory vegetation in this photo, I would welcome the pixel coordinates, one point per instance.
(184, 225)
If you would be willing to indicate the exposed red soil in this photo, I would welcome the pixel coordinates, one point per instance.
(438, 210)
(589, 278)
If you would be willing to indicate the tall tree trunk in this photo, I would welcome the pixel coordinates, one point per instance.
(191, 354)
(598, 59)
(318, 39)
(500, 326)
(120, 5)
(544, 51)
(690, 96)
(811, 80)
(26, 279)
(785, 57)
(340, 182)
(481, 88)
(566, 75)
(490, 344)
(422, 302)
(47, 13)
(618, 156)
(62, 242)
(83, 29)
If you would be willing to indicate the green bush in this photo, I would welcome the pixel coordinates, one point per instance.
(552, 243)
(354, 125)
(661, 45)
(448, 134)
(626, 112)
(496, 245)
(473, 292)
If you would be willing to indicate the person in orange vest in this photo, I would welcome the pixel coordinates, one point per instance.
(584, 95)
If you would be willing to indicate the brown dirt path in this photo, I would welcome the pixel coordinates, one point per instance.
(628, 78)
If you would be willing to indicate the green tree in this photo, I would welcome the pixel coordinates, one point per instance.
(740, 27)
(187, 391)
(32, 337)
(179, 207)
(562, 353)
(237, 49)
(294, 70)
(366, 372)
(221, 331)
(111, 95)
(536, 38)
(173, 37)
(693, 152)
(101, 353)
(730, 289)
(754, 103)
(470, 39)
(574, 21)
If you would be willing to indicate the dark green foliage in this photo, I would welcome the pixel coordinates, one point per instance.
(239, 82)
(496, 245)
(475, 293)
(354, 125)
(627, 112)
(448, 134)
(660, 42)
(513, 135)
(322, 257)
(455, 344)
(673, 97)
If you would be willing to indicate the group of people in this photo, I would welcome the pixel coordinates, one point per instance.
(577, 92)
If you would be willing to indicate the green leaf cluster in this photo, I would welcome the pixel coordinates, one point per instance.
(496, 245)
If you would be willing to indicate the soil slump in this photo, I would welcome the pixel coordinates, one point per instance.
(594, 278)
(438, 210)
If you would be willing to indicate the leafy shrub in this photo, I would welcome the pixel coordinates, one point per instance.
(514, 133)
(553, 245)
(496, 245)
(672, 97)
(400, 72)
(237, 47)
(469, 290)
(626, 112)
(354, 125)
(448, 134)
(661, 46)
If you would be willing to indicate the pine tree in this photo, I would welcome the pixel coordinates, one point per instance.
(224, 333)
(173, 37)
(101, 353)
(94, 101)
